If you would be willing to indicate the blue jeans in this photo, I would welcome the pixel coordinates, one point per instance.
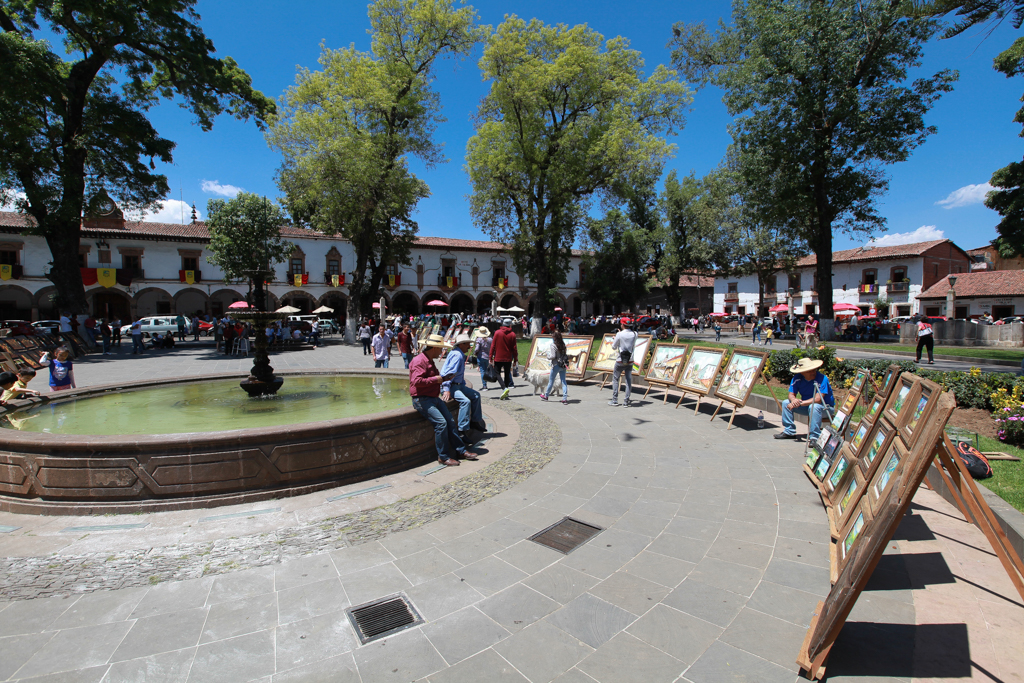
(446, 439)
(407, 357)
(106, 345)
(624, 370)
(484, 364)
(559, 372)
(757, 334)
(817, 412)
(137, 345)
(380, 363)
(470, 409)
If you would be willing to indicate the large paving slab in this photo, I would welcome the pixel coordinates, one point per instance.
(713, 553)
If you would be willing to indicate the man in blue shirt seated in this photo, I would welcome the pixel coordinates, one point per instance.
(804, 399)
(470, 409)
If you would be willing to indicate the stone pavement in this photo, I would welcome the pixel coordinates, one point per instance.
(713, 556)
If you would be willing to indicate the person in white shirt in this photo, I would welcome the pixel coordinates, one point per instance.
(624, 344)
(65, 322)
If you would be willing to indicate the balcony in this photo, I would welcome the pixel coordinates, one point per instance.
(290, 278)
(442, 282)
(732, 296)
(16, 271)
(495, 281)
(868, 289)
(386, 281)
(133, 273)
(197, 276)
(327, 278)
(898, 287)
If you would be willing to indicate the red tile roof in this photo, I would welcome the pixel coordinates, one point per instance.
(197, 232)
(995, 283)
(875, 253)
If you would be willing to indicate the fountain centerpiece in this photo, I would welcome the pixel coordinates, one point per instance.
(261, 380)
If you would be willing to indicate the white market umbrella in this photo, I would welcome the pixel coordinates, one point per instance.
(515, 309)
(287, 309)
(324, 309)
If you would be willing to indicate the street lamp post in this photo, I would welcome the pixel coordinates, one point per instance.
(789, 308)
(951, 298)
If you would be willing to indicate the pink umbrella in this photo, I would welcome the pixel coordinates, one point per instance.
(239, 304)
(845, 307)
(436, 302)
(557, 308)
(778, 309)
(376, 304)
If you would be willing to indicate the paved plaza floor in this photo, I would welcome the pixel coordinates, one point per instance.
(713, 554)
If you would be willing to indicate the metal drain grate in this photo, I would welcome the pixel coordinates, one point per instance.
(566, 535)
(381, 618)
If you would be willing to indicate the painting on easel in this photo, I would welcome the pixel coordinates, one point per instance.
(700, 370)
(739, 376)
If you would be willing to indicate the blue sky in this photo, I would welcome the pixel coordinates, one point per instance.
(936, 193)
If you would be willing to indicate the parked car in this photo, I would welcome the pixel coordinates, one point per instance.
(329, 326)
(152, 325)
(17, 328)
(47, 326)
(1010, 319)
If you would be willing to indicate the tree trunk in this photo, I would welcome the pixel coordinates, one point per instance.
(826, 326)
(63, 240)
(351, 319)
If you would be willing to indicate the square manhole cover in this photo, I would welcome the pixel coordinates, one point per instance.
(566, 535)
(381, 618)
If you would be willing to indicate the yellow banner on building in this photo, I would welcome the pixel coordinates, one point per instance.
(501, 283)
(6, 271)
(190, 277)
(391, 280)
(335, 280)
(449, 281)
(298, 280)
(106, 277)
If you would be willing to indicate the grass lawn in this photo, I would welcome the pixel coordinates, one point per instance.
(968, 351)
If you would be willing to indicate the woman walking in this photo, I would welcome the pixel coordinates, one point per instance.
(925, 340)
(558, 358)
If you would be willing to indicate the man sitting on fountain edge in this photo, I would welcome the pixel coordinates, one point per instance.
(471, 414)
(425, 387)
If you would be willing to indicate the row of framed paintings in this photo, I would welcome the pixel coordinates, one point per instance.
(24, 352)
(691, 369)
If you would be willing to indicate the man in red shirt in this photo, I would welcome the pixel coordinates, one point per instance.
(504, 352)
(425, 388)
(404, 340)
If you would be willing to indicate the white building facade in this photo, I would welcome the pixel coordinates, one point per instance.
(163, 269)
(861, 276)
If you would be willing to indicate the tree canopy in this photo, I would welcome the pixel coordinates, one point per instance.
(569, 119)
(615, 260)
(821, 93)
(347, 132)
(76, 125)
(245, 240)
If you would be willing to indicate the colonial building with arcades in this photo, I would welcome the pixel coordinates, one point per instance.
(162, 268)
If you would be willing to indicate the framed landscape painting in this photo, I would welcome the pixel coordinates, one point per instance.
(887, 473)
(891, 375)
(902, 400)
(577, 348)
(874, 408)
(860, 380)
(925, 401)
(640, 349)
(700, 370)
(843, 463)
(851, 402)
(860, 518)
(605, 358)
(874, 445)
(740, 374)
(846, 496)
(666, 363)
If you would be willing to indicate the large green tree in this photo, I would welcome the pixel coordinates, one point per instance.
(246, 242)
(347, 134)
(616, 256)
(821, 91)
(569, 119)
(73, 118)
(694, 234)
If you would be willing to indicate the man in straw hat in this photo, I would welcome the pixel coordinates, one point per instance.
(471, 414)
(809, 392)
(425, 388)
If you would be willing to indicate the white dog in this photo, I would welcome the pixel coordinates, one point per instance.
(539, 380)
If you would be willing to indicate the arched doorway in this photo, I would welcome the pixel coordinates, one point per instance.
(15, 303)
(483, 303)
(191, 302)
(461, 303)
(301, 300)
(44, 303)
(509, 300)
(152, 301)
(221, 299)
(111, 304)
(405, 303)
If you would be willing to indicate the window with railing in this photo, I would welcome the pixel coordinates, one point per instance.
(794, 282)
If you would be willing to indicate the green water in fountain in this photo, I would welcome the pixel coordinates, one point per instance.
(214, 406)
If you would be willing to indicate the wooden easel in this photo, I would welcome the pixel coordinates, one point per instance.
(682, 395)
(664, 386)
(736, 406)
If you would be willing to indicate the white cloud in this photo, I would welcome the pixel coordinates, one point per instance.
(965, 196)
(926, 233)
(7, 200)
(171, 211)
(214, 187)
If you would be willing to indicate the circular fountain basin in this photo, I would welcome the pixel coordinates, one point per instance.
(184, 444)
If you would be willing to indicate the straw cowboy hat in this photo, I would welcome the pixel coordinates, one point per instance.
(463, 338)
(483, 332)
(805, 365)
(434, 340)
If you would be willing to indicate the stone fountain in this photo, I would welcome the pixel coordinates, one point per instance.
(261, 380)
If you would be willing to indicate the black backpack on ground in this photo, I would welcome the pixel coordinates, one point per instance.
(976, 463)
